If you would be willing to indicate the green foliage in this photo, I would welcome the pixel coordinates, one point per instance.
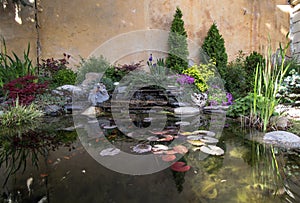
(251, 62)
(19, 115)
(177, 42)
(214, 46)
(289, 90)
(242, 106)
(14, 67)
(201, 74)
(268, 78)
(93, 64)
(236, 77)
(63, 77)
(47, 98)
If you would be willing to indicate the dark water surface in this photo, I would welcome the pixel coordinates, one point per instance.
(64, 172)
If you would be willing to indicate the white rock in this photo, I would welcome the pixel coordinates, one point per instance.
(186, 110)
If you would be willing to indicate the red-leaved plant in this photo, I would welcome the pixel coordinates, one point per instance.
(25, 88)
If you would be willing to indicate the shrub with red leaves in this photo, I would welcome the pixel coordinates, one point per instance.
(25, 88)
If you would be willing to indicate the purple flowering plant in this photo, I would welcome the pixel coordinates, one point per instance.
(216, 96)
(185, 79)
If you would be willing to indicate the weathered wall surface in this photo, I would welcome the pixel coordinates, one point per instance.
(78, 27)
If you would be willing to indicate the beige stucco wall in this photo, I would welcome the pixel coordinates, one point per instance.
(78, 27)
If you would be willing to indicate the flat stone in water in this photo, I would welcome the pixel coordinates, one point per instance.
(186, 110)
(283, 139)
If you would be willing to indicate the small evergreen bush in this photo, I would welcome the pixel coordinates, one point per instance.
(178, 47)
(214, 46)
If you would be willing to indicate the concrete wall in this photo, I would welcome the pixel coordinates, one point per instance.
(79, 27)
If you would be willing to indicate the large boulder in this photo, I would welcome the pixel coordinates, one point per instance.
(282, 139)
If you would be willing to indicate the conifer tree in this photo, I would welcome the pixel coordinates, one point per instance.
(214, 46)
(177, 42)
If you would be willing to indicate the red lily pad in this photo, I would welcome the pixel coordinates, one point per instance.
(180, 149)
(169, 157)
(180, 167)
(171, 152)
(166, 138)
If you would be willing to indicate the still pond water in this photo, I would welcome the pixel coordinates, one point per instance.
(63, 172)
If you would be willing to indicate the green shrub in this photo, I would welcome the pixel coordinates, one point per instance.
(289, 91)
(242, 106)
(236, 77)
(177, 42)
(19, 115)
(250, 65)
(214, 46)
(13, 67)
(93, 64)
(201, 74)
(63, 77)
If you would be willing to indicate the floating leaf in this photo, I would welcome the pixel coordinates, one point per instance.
(152, 138)
(212, 149)
(187, 133)
(160, 132)
(109, 127)
(180, 167)
(142, 148)
(160, 147)
(194, 137)
(209, 140)
(169, 157)
(180, 149)
(183, 123)
(205, 132)
(166, 138)
(110, 152)
(171, 152)
(195, 142)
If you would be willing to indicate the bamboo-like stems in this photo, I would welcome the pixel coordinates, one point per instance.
(268, 78)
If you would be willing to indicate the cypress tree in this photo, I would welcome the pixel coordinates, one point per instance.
(177, 42)
(214, 46)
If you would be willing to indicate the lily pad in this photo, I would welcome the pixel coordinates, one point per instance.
(168, 157)
(187, 133)
(152, 138)
(180, 149)
(212, 149)
(180, 167)
(166, 138)
(107, 127)
(209, 140)
(196, 142)
(194, 137)
(183, 123)
(171, 152)
(110, 152)
(205, 132)
(160, 147)
(142, 148)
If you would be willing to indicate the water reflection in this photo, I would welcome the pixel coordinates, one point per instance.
(29, 146)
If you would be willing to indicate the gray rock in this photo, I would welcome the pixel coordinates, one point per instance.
(70, 90)
(98, 94)
(283, 139)
(1, 113)
(53, 110)
(91, 79)
(186, 110)
(280, 122)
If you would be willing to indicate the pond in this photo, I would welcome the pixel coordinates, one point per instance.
(52, 162)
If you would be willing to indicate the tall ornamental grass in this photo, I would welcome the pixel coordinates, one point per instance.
(268, 78)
